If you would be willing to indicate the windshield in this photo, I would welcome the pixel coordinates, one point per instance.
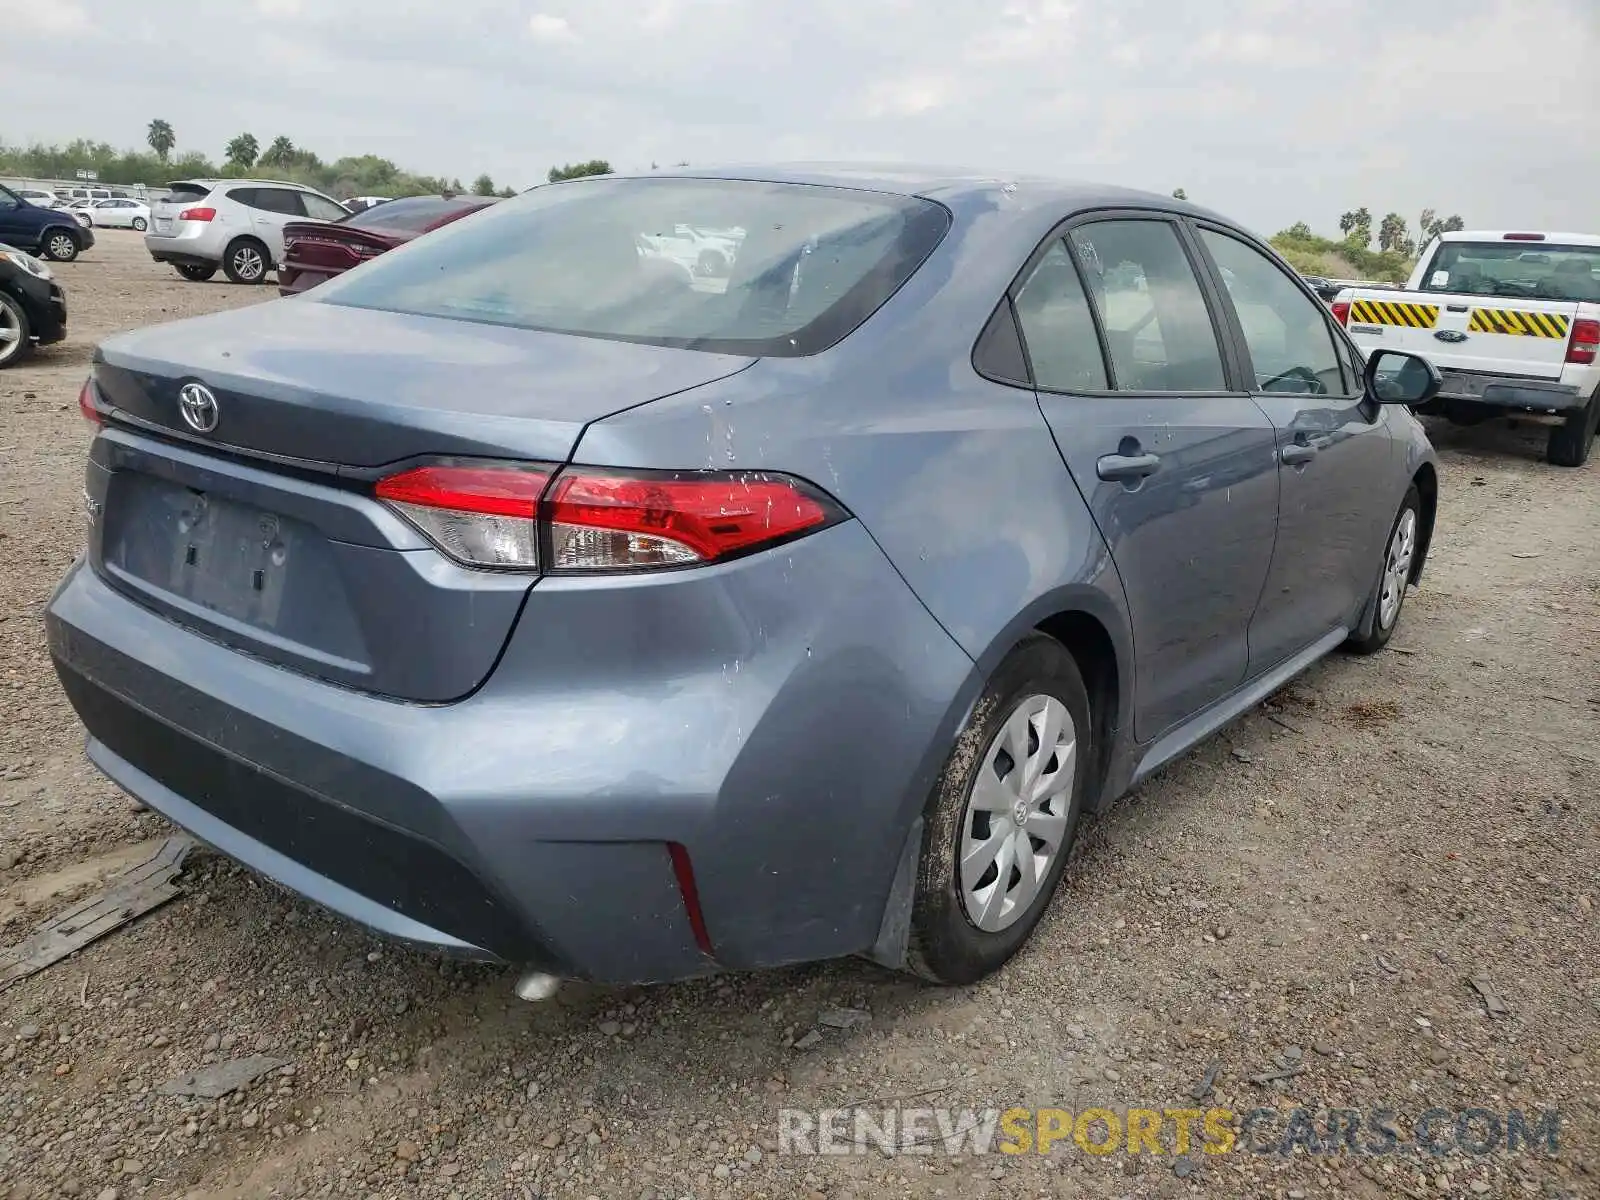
(707, 264)
(1515, 271)
(409, 216)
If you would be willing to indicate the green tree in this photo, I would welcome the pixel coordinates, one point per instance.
(242, 151)
(1392, 232)
(161, 138)
(507, 192)
(281, 153)
(1179, 194)
(483, 185)
(1299, 232)
(595, 166)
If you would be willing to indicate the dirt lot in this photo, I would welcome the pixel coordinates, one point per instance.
(1313, 891)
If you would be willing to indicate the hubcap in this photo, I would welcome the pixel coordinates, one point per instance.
(1016, 816)
(61, 245)
(10, 333)
(1397, 568)
(247, 262)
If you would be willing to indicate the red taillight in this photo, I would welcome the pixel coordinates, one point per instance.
(1523, 237)
(603, 520)
(480, 515)
(598, 519)
(1341, 311)
(1585, 341)
(197, 214)
(86, 405)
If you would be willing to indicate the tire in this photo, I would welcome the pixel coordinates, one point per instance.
(1571, 441)
(246, 261)
(15, 334)
(961, 928)
(196, 272)
(140, 224)
(59, 244)
(1388, 595)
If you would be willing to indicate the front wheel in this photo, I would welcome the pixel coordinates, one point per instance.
(15, 336)
(60, 245)
(1394, 577)
(1571, 441)
(246, 261)
(140, 224)
(196, 272)
(1001, 820)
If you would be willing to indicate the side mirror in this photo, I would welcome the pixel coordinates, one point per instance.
(1398, 377)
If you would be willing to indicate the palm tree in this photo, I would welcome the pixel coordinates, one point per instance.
(161, 138)
(280, 154)
(242, 151)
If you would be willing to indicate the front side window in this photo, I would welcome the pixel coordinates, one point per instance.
(1058, 328)
(8, 200)
(797, 267)
(1158, 328)
(1515, 271)
(1286, 331)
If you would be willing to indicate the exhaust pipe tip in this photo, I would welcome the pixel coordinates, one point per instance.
(536, 985)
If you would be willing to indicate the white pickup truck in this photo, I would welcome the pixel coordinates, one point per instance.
(1512, 321)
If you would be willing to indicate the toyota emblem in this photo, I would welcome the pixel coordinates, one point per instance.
(199, 407)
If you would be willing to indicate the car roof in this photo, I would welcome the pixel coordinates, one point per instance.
(288, 183)
(946, 185)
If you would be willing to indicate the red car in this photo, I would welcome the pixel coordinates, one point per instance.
(314, 251)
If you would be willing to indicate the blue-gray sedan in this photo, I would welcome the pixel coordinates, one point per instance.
(538, 593)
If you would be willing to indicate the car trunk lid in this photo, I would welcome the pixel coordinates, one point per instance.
(331, 248)
(263, 534)
(164, 212)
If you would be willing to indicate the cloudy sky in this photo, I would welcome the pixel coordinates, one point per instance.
(1270, 110)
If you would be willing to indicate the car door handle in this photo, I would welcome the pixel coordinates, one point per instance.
(1296, 454)
(1125, 467)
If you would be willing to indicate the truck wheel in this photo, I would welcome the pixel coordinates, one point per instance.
(1571, 441)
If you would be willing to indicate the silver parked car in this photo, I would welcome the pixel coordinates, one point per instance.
(232, 224)
(517, 597)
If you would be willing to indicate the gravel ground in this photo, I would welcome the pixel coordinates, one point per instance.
(1312, 890)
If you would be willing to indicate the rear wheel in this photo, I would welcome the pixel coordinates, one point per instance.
(196, 272)
(1001, 820)
(140, 224)
(1571, 441)
(246, 261)
(1394, 577)
(60, 245)
(15, 334)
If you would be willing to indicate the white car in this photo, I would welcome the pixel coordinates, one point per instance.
(119, 214)
(232, 224)
(37, 198)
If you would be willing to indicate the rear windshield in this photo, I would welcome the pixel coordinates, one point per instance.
(408, 216)
(1515, 270)
(767, 269)
(182, 193)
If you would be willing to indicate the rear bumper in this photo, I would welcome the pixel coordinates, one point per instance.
(1509, 392)
(294, 280)
(46, 305)
(781, 718)
(181, 258)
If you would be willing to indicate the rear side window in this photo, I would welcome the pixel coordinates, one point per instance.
(1286, 331)
(1058, 328)
(796, 267)
(273, 200)
(1157, 325)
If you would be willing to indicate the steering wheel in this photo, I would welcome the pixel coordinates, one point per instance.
(1304, 374)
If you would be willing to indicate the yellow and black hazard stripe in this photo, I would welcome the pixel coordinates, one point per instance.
(1394, 312)
(1518, 324)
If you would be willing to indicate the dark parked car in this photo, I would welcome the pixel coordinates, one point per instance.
(519, 598)
(46, 232)
(33, 308)
(316, 251)
(1324, 288)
